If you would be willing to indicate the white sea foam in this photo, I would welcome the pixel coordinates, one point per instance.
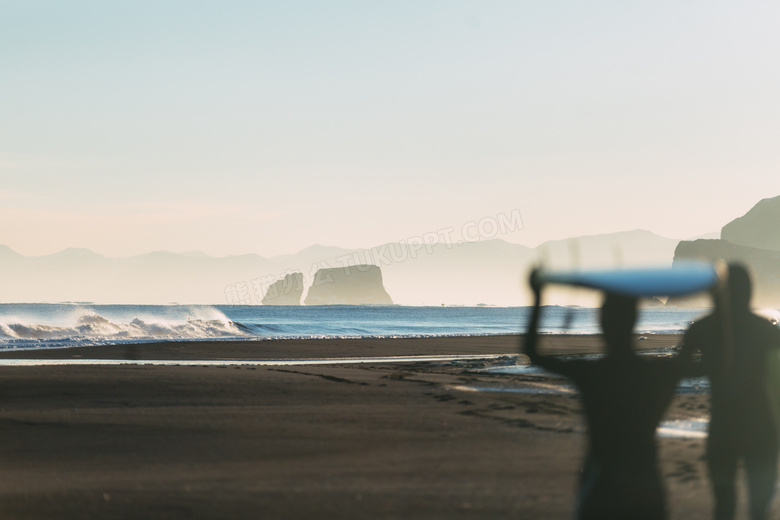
(695, 428)
(84, 323)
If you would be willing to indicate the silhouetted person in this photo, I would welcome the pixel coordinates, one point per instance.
(624, 398)
(735, 344)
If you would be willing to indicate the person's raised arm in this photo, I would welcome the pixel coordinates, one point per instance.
(531, 338)
(704, 334)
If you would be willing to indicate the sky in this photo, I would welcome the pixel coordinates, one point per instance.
(264, 127)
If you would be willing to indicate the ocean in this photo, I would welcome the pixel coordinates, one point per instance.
(27, 326)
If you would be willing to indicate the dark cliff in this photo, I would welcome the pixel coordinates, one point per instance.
(287, 291)
(353, 285)
(758, 228)
(754, 240)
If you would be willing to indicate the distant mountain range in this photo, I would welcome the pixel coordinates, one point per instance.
(484, 272)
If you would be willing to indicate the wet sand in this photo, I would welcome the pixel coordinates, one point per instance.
(398, 440)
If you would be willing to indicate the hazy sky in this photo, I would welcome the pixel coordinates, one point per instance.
(264, 127)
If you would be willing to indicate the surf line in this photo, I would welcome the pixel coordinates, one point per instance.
(248, 362)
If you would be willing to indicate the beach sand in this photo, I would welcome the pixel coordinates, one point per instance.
(402, 440)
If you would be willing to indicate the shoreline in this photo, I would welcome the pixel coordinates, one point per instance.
(565, 344)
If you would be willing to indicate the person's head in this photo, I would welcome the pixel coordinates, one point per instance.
(618, 317)
(738, 287)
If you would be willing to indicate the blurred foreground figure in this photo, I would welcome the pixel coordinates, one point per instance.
(735, 346)
(624, 398)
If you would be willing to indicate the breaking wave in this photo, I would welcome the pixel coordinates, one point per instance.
(84, 325)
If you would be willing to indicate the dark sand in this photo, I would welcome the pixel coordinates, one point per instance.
(337, 441)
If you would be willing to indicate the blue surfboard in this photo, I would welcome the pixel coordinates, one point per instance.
(679, 279)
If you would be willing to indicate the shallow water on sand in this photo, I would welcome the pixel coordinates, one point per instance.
(244, 362)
